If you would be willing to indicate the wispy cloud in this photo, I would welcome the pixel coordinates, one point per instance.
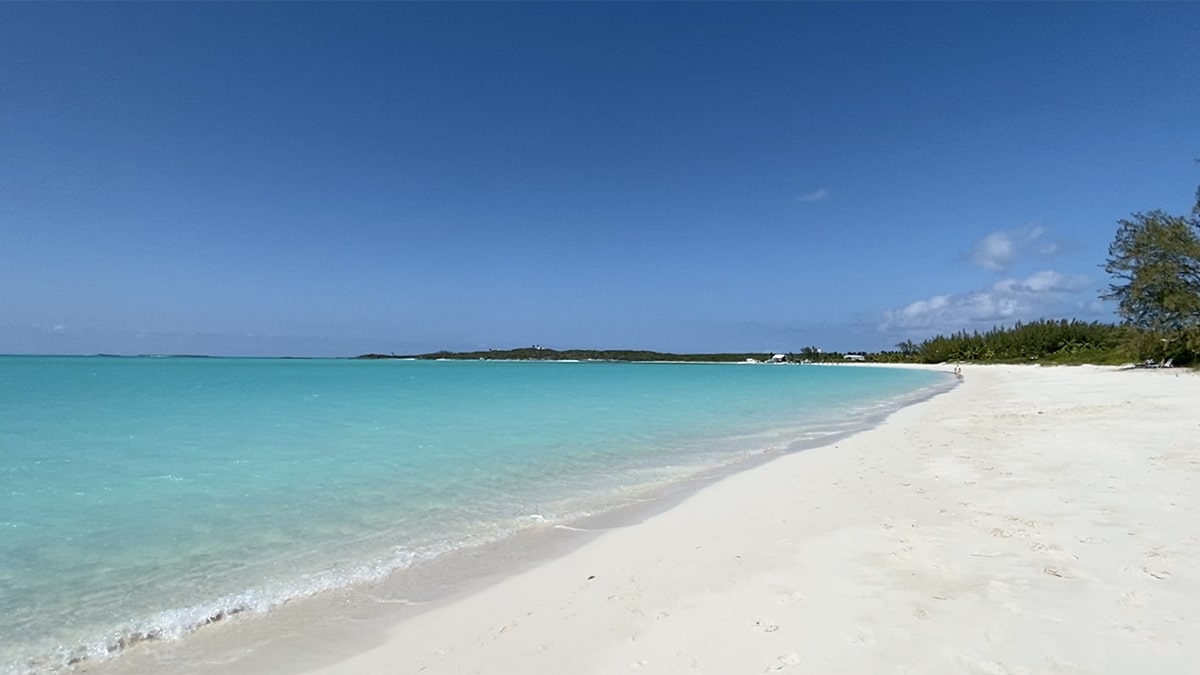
(995, 252)
(818, 195)
(1042, 294)
(1002, 249)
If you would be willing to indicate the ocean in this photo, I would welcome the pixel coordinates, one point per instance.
(143, 498)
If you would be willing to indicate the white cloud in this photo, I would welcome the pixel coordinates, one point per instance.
(818, 195)
(995, 252)
(920, 308)
(1002, 249)
(1049, 281)
(1046, 294)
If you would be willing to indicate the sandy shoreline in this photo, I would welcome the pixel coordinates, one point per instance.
(1031, 520)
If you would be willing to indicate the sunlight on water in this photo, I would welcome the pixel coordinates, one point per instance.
(142, 498)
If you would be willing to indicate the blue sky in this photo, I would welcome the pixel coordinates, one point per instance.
(332, 179)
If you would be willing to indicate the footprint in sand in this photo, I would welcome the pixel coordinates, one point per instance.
(766, 626)
(863, 636)
(783, 662)
(1152, 572)
(1159, 553)
(1055, 572)
(789, 598)
(973, 664)
(1157, 573)
(1133, 598)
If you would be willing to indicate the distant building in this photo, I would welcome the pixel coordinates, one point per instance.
(779, 358)
(855, 357)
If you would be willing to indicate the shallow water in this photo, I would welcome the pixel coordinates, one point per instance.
(141, 498)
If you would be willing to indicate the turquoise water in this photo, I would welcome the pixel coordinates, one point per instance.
(143, 497)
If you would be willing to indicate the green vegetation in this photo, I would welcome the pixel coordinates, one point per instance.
(536, 353)
(1043, 341)
(1155, 263)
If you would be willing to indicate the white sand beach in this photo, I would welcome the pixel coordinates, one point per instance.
(1034, 520)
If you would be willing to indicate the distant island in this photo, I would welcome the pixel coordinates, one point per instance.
(1046, 341)
(536, 353)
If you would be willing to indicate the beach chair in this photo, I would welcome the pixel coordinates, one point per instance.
(1169, 363)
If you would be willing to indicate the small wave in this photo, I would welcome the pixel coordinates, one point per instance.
(403, 602)
(177, 623)
(167, 625)
(575, 529)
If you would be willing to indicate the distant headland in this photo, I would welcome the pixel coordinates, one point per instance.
(537, 353)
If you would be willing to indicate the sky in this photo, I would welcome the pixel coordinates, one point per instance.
(331, 179)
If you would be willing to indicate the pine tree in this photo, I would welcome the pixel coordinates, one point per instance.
(1155, 260)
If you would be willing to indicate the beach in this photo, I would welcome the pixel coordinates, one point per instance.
(1031, 520)
(147, 502)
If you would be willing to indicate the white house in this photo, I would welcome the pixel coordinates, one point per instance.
(855, 357)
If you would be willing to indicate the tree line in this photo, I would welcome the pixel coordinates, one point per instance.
(538, 353)
(1042, 341)
(1154, 263)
